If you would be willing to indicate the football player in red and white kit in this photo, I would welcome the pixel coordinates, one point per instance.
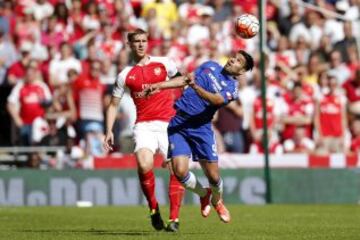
(153, 116)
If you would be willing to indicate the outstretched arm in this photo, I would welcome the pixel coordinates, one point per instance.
(181, 81)
(176, 82)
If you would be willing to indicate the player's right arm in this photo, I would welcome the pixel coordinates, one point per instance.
(110, 119)
(221, 95)
(213, 98)
(112, 109)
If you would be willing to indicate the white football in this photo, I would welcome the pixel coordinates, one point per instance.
(247, 25)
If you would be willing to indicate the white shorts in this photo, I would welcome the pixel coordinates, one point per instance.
(152, 135)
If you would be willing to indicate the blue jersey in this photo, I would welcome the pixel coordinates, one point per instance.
(190, 132)
(210, 77)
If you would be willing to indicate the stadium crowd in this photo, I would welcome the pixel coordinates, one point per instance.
(59, 60)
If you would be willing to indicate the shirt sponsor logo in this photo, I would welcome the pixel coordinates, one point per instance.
(330, 109)
(157, 71)
(132, 77)
(215, 82)
(139, 94)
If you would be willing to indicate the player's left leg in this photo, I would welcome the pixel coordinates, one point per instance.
(211, 170)
(145, 161)
(176, 190)
(180, 152)
(176, 194)
(145, 147)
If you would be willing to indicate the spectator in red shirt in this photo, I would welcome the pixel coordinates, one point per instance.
(88, 93)
(352, 90)
(17, 70)
(109, 47)
(27, 100)
(330, 119)
(257, 123)
(300, 113)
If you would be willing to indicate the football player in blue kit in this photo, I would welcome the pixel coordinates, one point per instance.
(190, 133)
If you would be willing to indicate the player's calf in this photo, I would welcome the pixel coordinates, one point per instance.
(191, 183)
(216, 190)
(176, 193)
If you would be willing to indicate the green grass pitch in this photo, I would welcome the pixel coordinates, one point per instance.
(290, 222)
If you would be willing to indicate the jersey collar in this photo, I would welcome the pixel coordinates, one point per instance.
(146, 61)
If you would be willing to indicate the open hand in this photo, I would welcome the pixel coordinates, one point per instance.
(108, 141)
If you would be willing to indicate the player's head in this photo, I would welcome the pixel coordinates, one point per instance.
(138, 42)
(239, 63)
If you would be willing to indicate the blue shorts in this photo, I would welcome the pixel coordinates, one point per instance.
(191, 139)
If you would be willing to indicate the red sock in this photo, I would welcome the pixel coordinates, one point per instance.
(147, 182)
(176, 193)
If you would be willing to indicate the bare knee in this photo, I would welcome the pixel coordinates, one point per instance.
(180, 166)
(145, 160)
(180, 173)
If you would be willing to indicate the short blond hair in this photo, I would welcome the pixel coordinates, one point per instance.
(138, 31)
